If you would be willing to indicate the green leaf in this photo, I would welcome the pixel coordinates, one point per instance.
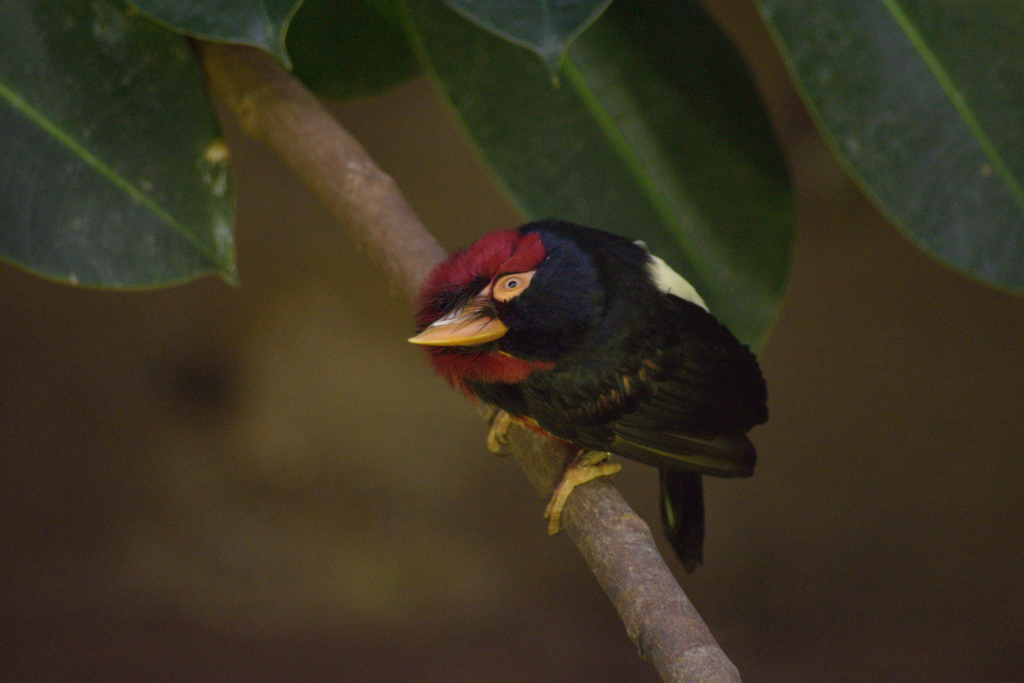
(344, 49)
(115, 173)
(924, 104)
(546, 27)
(656, 134)
(260, 23)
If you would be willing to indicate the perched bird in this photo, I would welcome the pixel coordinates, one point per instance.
(588, 337)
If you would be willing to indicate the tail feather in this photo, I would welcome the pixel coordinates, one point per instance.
(682, 514)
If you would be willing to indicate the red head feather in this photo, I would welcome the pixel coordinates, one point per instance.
(506, 251)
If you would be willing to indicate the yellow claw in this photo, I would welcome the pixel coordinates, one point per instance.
(587, 466)
(499, 428)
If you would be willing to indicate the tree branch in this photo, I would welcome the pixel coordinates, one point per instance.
(276, 109)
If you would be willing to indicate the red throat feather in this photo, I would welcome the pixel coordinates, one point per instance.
(486, 366)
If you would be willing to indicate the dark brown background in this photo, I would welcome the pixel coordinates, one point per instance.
(267, 484)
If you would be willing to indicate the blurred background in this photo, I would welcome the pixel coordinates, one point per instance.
(268, 484)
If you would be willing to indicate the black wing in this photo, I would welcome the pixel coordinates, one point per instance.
(707, 392)
(683, 399)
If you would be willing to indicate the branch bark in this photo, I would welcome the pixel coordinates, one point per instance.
(276, 109)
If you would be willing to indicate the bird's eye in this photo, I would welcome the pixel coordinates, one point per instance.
(512, 285)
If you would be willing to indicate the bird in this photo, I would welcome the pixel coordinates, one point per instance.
(587, 337)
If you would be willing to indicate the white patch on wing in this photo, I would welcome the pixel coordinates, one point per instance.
(669, 281)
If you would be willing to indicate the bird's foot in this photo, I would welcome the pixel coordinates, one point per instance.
(587, 466)
(496, 438)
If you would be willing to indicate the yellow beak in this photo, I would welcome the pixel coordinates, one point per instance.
(462, 327)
